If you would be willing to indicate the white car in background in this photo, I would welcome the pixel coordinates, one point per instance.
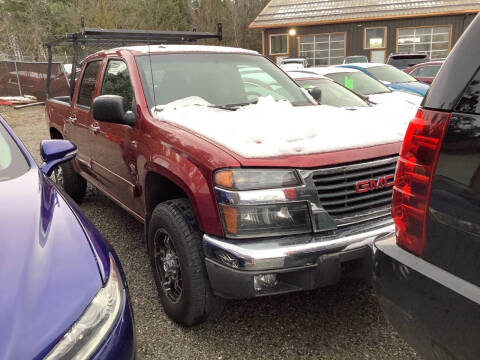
(333, 94)
(290, 64)
(366, 86)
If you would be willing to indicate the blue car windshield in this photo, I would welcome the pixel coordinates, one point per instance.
(390, 74)
(12, 160)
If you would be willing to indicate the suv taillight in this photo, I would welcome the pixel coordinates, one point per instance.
(413, 179)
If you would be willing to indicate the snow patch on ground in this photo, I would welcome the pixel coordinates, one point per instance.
(275, 128)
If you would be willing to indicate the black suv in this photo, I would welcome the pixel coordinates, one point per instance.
(404, 61)
(427, 274)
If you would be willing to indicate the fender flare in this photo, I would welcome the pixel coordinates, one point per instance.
(199, 192)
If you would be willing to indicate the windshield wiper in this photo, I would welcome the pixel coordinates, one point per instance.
(232, 107)
(302, 104)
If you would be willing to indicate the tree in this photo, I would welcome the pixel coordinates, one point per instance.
(27, 24)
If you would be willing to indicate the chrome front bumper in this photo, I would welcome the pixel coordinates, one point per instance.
(301, 262)
(291, 251)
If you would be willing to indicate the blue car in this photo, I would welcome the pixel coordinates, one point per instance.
(63, 295)
(392, 77)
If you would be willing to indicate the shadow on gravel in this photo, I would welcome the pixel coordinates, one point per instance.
(335, 319)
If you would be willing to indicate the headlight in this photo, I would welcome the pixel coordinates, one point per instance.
(253, 179)
(93, 326)
(265, 220)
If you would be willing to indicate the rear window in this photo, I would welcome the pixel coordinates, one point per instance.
(470, 101)
(426, 71)
(85, 95)
(289, 61)
(355, 59)
(12, 161)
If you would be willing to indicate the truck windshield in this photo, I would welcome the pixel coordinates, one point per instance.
(358, 82)
(12, 161)
(219, 79)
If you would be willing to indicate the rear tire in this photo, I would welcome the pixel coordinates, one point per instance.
(174, 246)
(73, 184)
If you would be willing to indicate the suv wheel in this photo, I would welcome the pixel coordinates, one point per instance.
(174, 246)
(73, 184)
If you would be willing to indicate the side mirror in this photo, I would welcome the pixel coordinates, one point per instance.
(54, 153)
(316, 94)
(109, 108)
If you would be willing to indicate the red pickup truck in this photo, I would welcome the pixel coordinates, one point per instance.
(221, 220)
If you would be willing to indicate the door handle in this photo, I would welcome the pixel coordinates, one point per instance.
(72, 119)
(94, 128)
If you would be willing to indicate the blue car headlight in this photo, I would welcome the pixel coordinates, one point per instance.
(90, 330)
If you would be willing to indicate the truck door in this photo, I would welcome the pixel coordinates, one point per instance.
(79, 123)
(114, 149)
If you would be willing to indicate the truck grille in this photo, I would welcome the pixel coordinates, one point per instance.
(336, 188)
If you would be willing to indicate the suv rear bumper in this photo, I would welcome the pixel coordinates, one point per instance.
(301, 262)
(435, 311)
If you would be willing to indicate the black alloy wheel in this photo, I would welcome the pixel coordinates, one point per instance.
(167, 265)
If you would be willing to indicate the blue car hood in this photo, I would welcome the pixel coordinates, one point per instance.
(411, 87)
(48, 271)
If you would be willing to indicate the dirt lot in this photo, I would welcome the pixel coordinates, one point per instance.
(338, 322)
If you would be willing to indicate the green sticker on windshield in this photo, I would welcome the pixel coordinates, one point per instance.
(348, 82)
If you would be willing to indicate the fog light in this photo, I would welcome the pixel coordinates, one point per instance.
(264, 281)
(227, 259)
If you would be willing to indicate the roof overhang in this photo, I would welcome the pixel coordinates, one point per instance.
(342, 21)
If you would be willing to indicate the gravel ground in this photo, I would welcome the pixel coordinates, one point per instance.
(337, 322)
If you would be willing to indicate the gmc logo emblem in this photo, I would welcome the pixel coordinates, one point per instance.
(374, 184)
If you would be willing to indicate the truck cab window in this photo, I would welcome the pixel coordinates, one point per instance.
(85, 95)
(117, 82)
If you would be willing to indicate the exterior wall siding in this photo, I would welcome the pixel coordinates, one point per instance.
(355, 30)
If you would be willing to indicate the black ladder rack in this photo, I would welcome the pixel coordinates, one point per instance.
(121, 37)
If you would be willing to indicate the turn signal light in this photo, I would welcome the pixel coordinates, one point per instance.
(230, 216)
(224, 178)
(413, 179)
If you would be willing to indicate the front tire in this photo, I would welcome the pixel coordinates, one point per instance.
(73, 184)
(174, 246)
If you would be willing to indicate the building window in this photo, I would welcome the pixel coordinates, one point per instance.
(375, 38)
(279, 44)
(323, 49)
(434, 41)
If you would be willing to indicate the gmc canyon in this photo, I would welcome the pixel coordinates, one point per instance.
(223, 220)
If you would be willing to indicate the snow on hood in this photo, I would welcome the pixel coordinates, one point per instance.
(397, 99)
(276, 128)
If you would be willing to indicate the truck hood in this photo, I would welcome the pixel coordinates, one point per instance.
(48, 271)
(278, 133)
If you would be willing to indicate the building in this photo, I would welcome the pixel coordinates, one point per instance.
(325, 32)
